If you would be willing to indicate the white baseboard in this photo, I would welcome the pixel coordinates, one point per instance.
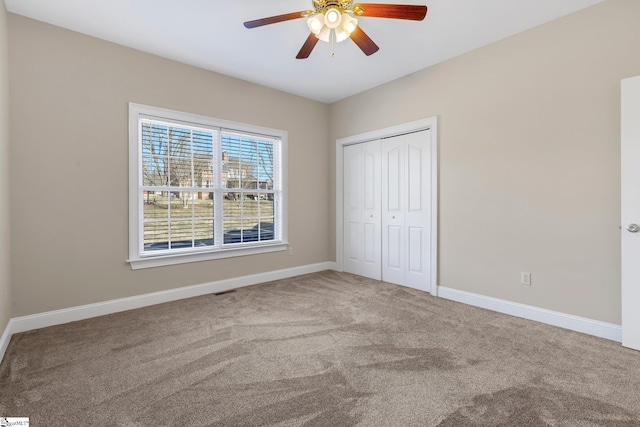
(57, 317)
(554, 318)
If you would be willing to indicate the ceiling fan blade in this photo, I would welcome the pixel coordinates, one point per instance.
(307, 47)
(274, 19)
(395, 11)
(364, 42)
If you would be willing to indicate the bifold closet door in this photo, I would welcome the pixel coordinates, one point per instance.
(362, 210)
(406, 210)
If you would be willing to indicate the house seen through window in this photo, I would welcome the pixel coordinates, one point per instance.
(203, 188)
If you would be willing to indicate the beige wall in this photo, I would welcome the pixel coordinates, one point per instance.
(529, 161)
(5, 276)
(69, 96)
(529, 158)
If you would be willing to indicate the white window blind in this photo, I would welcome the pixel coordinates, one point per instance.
(203, 187)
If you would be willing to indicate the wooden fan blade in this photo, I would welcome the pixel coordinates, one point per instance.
(395, 11)
(274, 19)
(364, 42)
(307, 47)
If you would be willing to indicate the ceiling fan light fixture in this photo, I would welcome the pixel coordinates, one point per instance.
(332, 18)
(324, 34)
(349, 23)
(315, 23)
(341, 34)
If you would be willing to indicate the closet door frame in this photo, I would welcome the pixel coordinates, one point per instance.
(430, 123)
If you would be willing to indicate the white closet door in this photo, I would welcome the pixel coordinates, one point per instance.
(393, 202)
(406, 210)
(362, 229)
(417, 220)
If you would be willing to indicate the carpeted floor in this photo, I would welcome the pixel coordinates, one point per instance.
(327, 349)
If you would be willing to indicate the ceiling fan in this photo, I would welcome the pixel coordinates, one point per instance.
(335, 20)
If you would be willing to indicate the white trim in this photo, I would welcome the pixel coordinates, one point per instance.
(177, 258)
(549, 317)
(418, 125)
(6, 338)
(72, 314)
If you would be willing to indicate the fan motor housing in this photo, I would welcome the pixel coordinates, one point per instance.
(321, 6)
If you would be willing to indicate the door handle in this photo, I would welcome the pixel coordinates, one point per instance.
(633, 228)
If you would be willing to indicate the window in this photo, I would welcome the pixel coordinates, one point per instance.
(202, 188)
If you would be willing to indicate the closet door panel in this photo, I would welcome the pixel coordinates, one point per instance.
(371, 205)
(418, 210)
(352, 242)
(362, 241)
(393, 200)
(416, 249)
(415, 174)
(394, 178)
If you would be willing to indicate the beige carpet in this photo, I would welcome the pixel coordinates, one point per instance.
(326, 349)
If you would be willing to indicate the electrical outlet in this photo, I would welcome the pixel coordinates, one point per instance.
(525, 279)
(290, 250)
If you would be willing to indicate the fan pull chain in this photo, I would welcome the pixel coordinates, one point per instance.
(333, 37)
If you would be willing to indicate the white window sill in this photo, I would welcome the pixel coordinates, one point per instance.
(171, 259)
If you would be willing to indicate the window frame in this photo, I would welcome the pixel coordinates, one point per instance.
(137, 257)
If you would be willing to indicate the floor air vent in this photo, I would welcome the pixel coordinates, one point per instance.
(230, 291)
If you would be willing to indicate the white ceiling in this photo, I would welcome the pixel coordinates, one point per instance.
(209, 34)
